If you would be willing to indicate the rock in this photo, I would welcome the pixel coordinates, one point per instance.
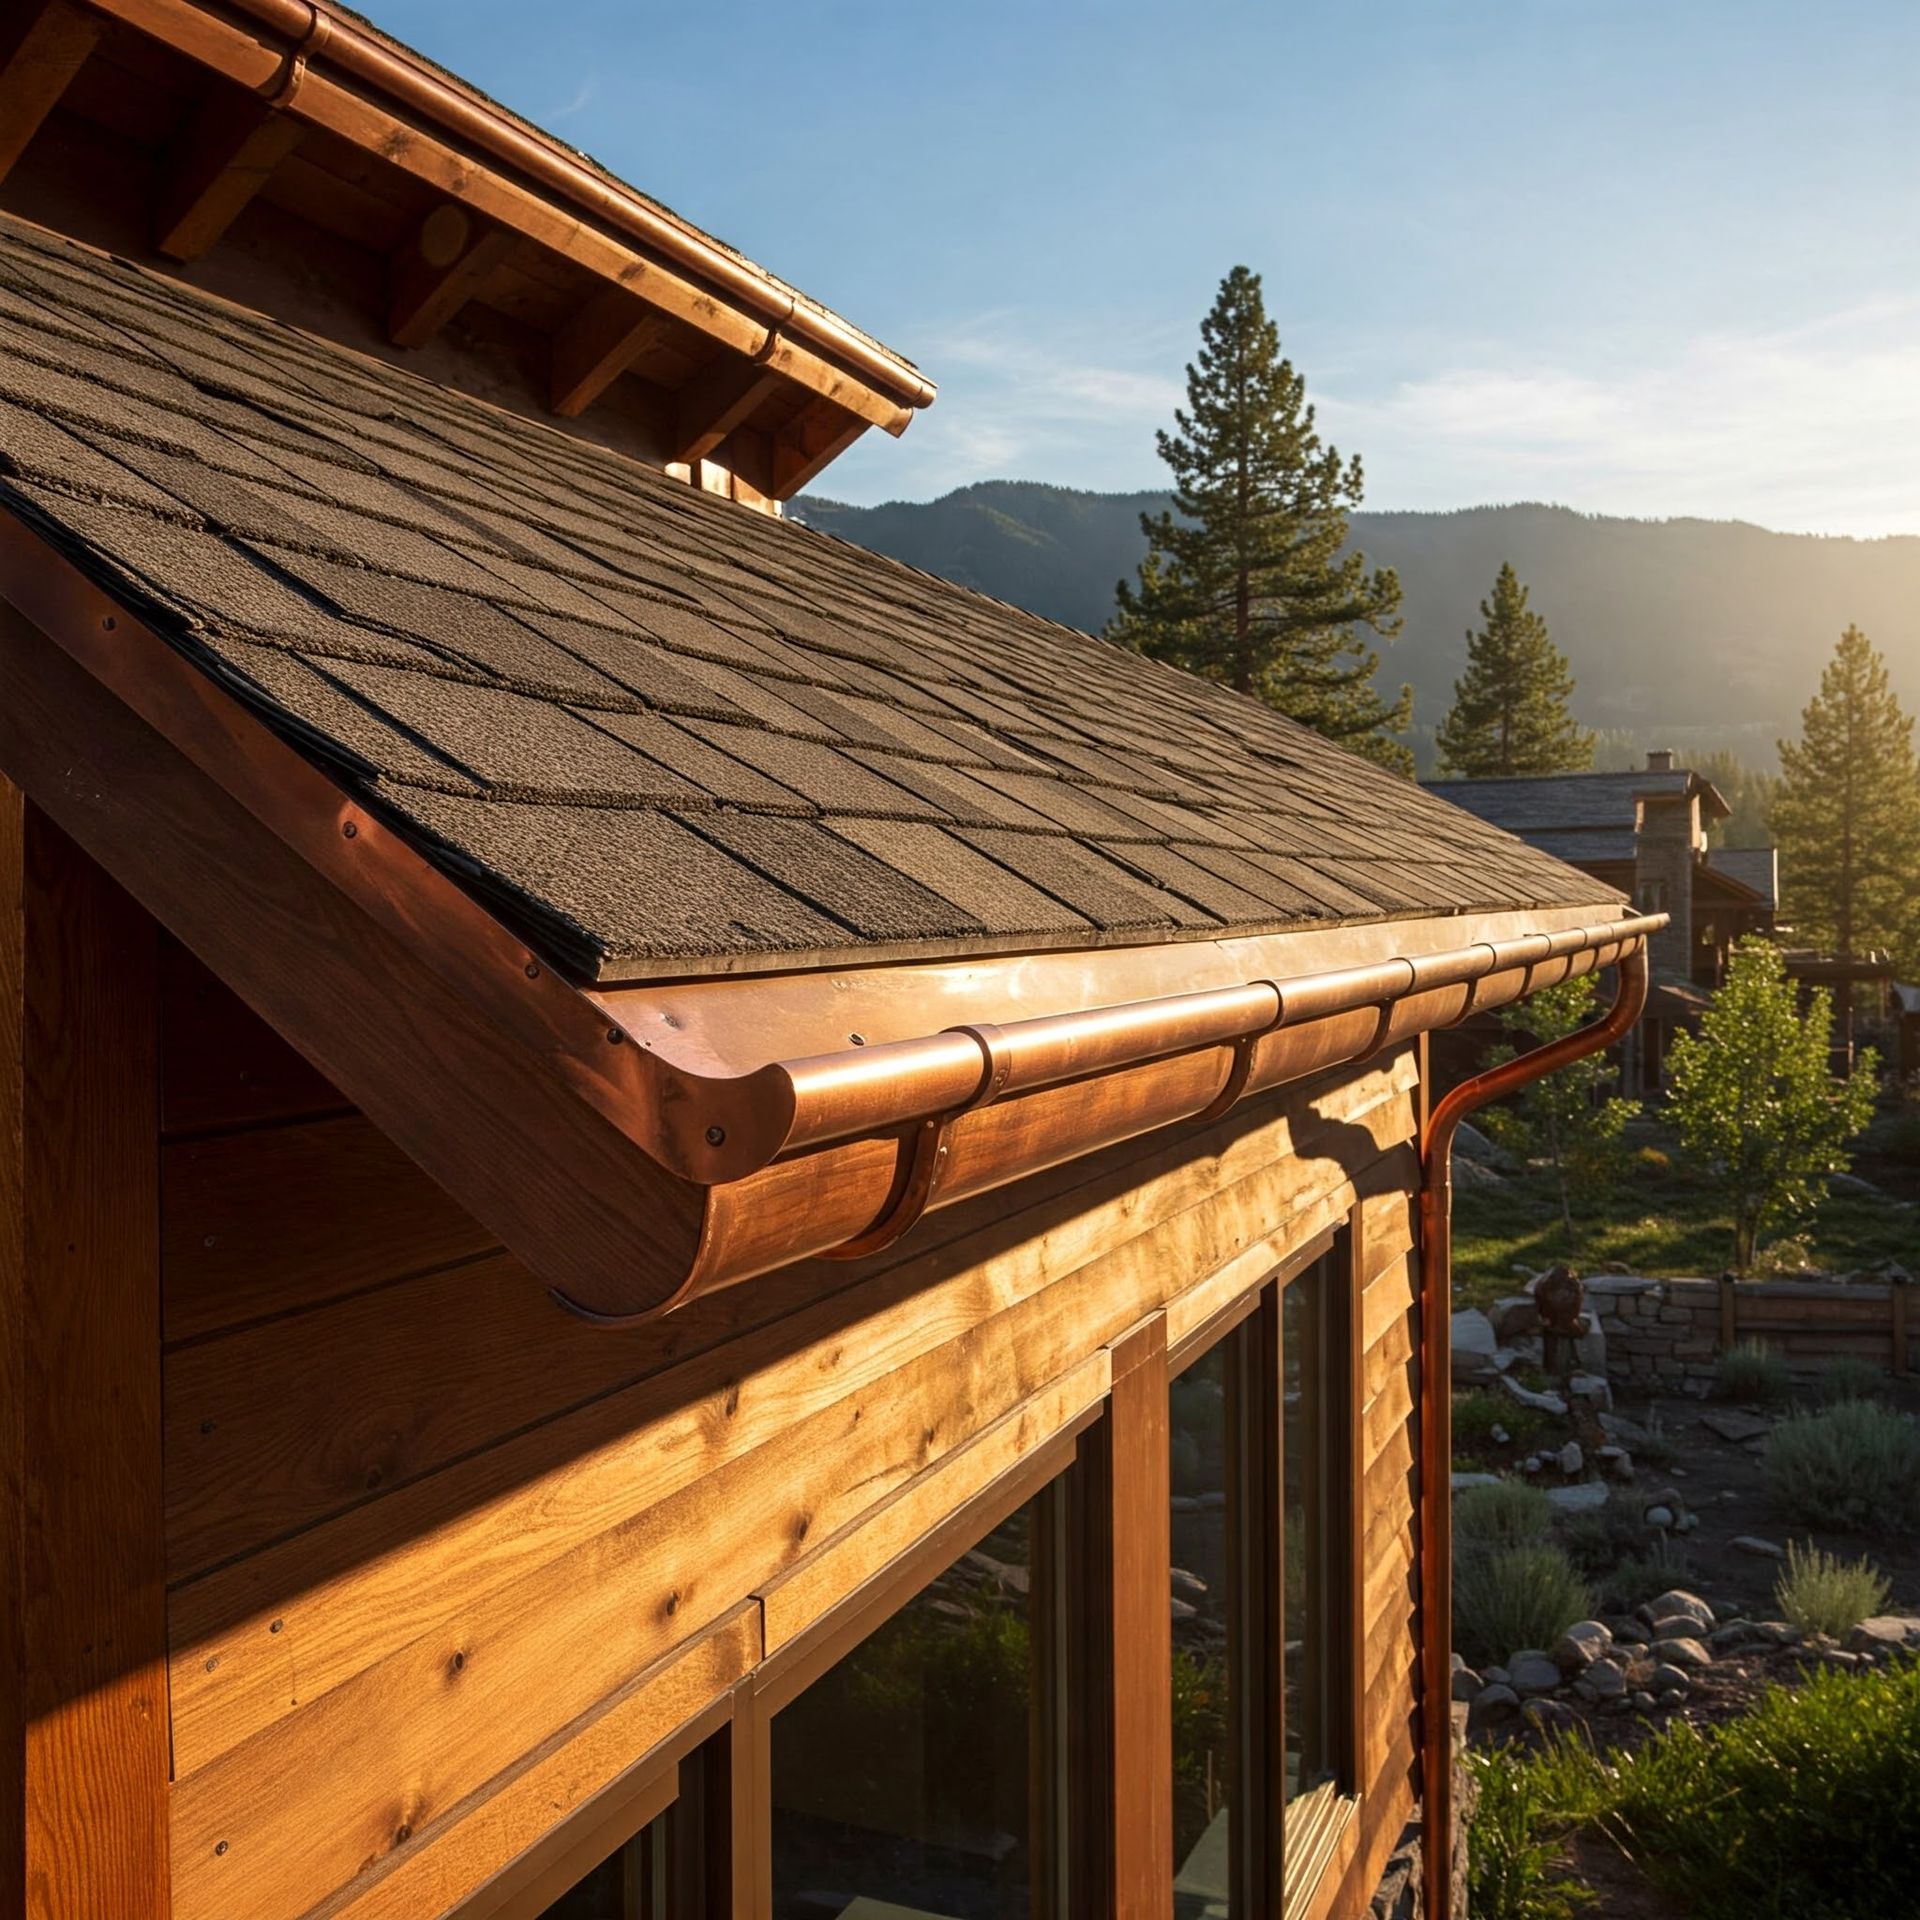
(1681, 1653)
(1760, 1549)
(1895, 1274)
(1498, 1434)
(1675, 1626)
(1515, 1317)
(1571, 1459)
(1670, 1699)
(1590, 1390)
(1533, 1672)
(1679, 1600)
(1583, 1496)
(1839, 1657)
(1730, 1424)
(1884, 1632)
(1491, 1707)
(1670, 1679)
(1549, 1716)
(1777, 1633)
(1473, 1333)
(1735, 1633)
(1853, 1184)
(1624, 1432)
(1590, 1353)
(1462, 1481)
(1468, 1685)
(1476, 1173)
(1532, 1463)
(1469, 1143)
(1659, 1515)
(1581, 1645)
(1602, 1681)
(1184, 1609)
(1615, 1462)
(1185, 1582)
(1644, 1701)
(1494, 1676)
(1540, 1402)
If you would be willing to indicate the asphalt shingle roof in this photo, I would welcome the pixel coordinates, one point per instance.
(661, 732)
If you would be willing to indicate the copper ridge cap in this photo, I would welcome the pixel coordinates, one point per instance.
(335, 36)
(723, 1129)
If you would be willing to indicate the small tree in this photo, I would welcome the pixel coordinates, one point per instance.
(1568, 1119)
(1510, 710)
(1753, 1097)
(1248, 581)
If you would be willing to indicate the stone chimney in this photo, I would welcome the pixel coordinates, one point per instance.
(1659, 759)
(1667, 842)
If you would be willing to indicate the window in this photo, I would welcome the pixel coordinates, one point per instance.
(912, 1778)
(1264, 1536)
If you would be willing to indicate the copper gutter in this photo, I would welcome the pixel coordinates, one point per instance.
(1436, 1386)
(314, 36)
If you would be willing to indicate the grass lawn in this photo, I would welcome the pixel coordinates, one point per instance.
(1665, 1218)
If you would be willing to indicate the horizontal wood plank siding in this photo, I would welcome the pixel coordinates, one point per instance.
(427, 1534)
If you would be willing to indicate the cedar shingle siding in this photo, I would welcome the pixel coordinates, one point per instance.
(659, 731)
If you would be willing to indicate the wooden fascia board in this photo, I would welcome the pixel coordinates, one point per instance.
(39, 56)
(503, 1082)
(306, 86)
(225, 155)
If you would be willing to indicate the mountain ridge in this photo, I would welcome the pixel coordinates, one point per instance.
(1712, 631)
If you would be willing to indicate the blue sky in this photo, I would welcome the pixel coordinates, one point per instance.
(1636, 258)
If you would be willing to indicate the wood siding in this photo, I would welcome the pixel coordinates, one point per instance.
(444, 1561)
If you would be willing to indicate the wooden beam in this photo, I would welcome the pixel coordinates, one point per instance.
(812, 442)
(598, 345)
(84, 1713)
(225, 153)
(1122, 1522)
(714, 402)
(39, 55)
(443, 267)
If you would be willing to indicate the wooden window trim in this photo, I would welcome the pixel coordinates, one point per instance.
(1201, 1340)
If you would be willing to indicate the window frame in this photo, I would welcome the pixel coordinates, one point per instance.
(1279, 1850)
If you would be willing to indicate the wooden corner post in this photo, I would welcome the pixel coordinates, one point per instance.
(83, 1704)
(1122, 1744)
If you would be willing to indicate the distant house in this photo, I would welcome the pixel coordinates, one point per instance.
(1644, 831)
(684, 1213)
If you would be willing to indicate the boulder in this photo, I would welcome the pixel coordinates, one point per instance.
(1581, 1645)
(1643, 1701)
(1492, 1707)
(1473, 1334)
(1601, 1682)
(1469, 1143)
(1666, 1679)
(1468, 1685)
(1624, 1432)
(1679, 1600)
(1731, 1424)
(1670, 1699)
(1884, 1632)
(1549, 1716)
(1590, 1390)
(1462, 1481)
(1680, 1653)
(1494, 1676)
(1659, 1515)
(1571, 1460)
(1532, 1672)
(1615, 1462)
(1516, 1316)
(1760, 1549)
(1540, 1402)
(1188, 1583)
(1582, 1496)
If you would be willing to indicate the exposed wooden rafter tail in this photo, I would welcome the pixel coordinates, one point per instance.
(598, 345)
(443, 267)
(224, 157)
(811, 443)
(40, 52)
(715, 402)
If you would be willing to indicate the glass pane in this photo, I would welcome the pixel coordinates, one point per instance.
(1312, 1651)
(902, 1780)
(1202, 1668)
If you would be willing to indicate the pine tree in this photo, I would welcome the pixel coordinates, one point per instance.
(1847, 815)
(1510, 711)
(1246, 581)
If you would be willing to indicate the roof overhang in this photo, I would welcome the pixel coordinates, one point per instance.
(639, 1146)
(278, 68)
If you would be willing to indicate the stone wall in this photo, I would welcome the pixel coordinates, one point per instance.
(1664, 1335)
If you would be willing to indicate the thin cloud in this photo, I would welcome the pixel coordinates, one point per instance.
(582, 99)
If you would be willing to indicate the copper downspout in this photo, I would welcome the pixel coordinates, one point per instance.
(412, 83)
(1436, 1390)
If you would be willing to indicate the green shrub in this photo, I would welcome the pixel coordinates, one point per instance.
(1821, 1593)
(1655, 1446)
(1638, 1577)
(1805, 1808)
(1850, 1379)
(1477, 1412)
(1514, 1844)
(1508, 1598)
(1854, 1466)
(1753, 1372)
(1599, 1540)
(1511, 1514)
